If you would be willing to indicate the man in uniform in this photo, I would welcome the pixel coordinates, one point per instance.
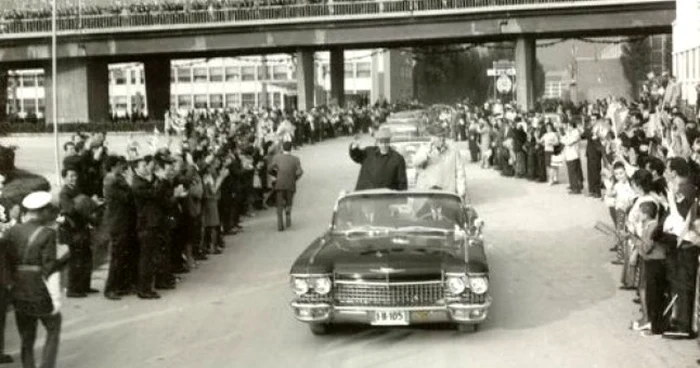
(382, 166)
(33, 248)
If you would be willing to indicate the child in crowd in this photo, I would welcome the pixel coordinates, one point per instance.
(619, 197)
(653, 256)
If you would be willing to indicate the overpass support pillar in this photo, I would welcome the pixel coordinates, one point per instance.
(157, 73)
(338, 76)
(4, 80)
(525, 61)
(82, 91)
(305, 80)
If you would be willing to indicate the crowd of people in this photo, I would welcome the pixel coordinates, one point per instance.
(642, 160)
(161, 208)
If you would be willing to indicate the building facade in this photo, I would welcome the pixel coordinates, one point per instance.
(686, 48)
(370, 75)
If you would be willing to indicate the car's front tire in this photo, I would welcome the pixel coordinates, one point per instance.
(319, 329)
(468, 327)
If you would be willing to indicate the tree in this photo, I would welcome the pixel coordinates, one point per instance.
(636, 63)
(446, 74)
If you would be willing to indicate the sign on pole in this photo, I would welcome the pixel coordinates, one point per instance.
(504, 84)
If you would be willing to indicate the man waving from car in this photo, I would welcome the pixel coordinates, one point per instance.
(382, 167)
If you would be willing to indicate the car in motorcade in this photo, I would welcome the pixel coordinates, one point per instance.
(394, 258)
(407, 146)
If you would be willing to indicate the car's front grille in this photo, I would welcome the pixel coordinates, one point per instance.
(313, 298)
(469, 297)
(389, 295)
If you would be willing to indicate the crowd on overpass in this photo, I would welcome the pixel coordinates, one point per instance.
(165, 206)
(642, 159)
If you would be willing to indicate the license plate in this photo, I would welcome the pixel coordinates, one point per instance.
(390, 318)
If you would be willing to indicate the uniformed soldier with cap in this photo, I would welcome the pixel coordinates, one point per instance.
(34, 250)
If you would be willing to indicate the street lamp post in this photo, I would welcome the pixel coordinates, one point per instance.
(54, 104)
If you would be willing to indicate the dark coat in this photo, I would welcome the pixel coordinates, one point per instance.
(287, 169)
(379, 171)
(120, 208)
(152, 203)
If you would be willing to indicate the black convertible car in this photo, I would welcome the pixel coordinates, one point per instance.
(394, 258)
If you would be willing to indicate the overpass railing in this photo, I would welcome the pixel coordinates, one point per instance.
(281, 14)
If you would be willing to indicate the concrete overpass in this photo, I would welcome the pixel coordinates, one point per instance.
(88, 44)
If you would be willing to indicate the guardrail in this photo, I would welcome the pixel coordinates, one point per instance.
(273, 14)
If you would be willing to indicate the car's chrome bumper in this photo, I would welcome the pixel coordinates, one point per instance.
(452, 312)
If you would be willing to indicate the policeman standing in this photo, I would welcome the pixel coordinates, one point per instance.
(36, 256)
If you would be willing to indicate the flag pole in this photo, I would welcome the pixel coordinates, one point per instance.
(54, 98)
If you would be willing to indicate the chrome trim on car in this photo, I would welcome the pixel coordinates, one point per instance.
(384, 283)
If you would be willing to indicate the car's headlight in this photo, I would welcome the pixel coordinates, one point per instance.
(322, 285)
(300, 286)
(478, 285)
(456, 284)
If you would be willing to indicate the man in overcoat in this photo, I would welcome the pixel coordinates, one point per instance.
(287, 170)
(382, 166)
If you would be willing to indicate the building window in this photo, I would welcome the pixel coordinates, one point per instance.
(248, 73)
(184, 102)
(120, 103)
(173, 75)
(29, 106)
(248, 99)
(40, 80)
(133, 76)
(216, 101)
(279, 72)
(28, 80)
(277, 99)
(233, 74)
(119, 77)
(200, 75)
(184, 75)
(216, 74)
(142, 77)
(233, 100)
(200, 101)
(41, 107)
(364, 70)
(349, 72)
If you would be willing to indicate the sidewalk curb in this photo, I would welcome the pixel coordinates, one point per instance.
(64, 134)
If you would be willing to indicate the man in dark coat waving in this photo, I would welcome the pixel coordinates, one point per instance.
(382, 167)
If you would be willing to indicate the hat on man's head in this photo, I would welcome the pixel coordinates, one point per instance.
(36, 200)
(383, 134)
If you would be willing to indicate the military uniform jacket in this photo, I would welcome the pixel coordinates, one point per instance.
(42, 253)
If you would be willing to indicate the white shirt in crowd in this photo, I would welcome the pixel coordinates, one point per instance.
(570, 141)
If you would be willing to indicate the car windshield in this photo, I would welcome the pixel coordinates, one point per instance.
(407, 212)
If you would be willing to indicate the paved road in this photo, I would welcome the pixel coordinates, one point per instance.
(556, 302)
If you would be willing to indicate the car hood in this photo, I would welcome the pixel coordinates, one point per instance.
(385, 258)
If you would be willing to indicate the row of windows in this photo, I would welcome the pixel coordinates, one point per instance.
(218, 101)
(26, 80)
(26, 106)
(688, 64)
(119, 76)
